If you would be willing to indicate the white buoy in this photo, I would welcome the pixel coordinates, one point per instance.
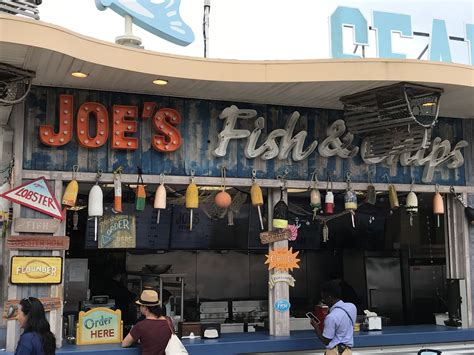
(160, 200)
(95, 206)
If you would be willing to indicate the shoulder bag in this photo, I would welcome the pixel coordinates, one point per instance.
(175, 346)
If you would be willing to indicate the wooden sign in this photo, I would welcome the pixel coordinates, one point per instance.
(99, 326)
(281, 277)
(34, 242)
(282, 259)
(117, 231)
(36, 195)
(10, 308)
(275, 236)
(36, 225)
(36, 270)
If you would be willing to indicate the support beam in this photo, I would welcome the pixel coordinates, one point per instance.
(238, 182)
(279, 321)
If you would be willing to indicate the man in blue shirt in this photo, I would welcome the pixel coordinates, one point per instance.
(338, 332)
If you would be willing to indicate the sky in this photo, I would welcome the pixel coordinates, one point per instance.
(270, 29)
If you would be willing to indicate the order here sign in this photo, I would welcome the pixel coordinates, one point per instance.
(36, 195)
(99, 326)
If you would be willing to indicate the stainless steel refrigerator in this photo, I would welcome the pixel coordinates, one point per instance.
(377, 280)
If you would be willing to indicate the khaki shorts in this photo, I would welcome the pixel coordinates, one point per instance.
(334, 352)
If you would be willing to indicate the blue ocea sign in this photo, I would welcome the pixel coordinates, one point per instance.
(162, 18)
(386, 24)
(282, 305)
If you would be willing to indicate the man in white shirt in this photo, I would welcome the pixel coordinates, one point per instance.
(338, 332)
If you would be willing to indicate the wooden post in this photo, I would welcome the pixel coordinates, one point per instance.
(56, 316)
(18, 116)
(279, 321)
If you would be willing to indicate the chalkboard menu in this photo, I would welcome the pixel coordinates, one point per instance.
(149, 234)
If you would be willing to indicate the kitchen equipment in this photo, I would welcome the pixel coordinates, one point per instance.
(214, 311)
(156, 268)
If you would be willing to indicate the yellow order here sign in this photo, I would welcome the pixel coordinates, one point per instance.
(36, 270)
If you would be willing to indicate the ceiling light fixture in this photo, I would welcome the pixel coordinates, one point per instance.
(160, 82)
(78, 74)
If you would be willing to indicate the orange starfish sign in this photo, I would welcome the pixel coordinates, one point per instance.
(282, 259)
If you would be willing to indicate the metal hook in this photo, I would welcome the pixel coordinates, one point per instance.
(254, 175)
(314, 177)
(75, 170)
(387, 177)
(223, 169)
(192, 175)
(98, 175)
(437, 188)
(412, 183)
(162, 178)
(329, 182)
(371, 173)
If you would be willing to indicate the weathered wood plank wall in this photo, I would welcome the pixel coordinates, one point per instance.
(199, 129)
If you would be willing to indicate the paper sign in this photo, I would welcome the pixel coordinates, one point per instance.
(36, 195)
(275, 236)
(99, 326)
(10, 308)
(117, 232)
(36, 270)
(281, 277)
(282, 259)
(282, 305)
(35, 242)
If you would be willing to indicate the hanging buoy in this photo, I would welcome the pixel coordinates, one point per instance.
(192, 199)
(393, 197)
(329, 199)
(438, 204)
(371, 192)
(315, 195)
(412, 203)
(160, 198)
(117, 191)
(75, 220)
(223, 199)
(412, 206)
(141, 194)
(72, 189)
(350, 199)
(256, 196)
(392, 194)
(96, 204)
(280, 213)
(325, 232)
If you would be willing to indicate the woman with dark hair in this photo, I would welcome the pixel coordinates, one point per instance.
(154, 331)
(37, 338)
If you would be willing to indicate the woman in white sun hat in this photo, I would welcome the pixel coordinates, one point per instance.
(154, 331)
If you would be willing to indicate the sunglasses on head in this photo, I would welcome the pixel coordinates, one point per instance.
(27, 299)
